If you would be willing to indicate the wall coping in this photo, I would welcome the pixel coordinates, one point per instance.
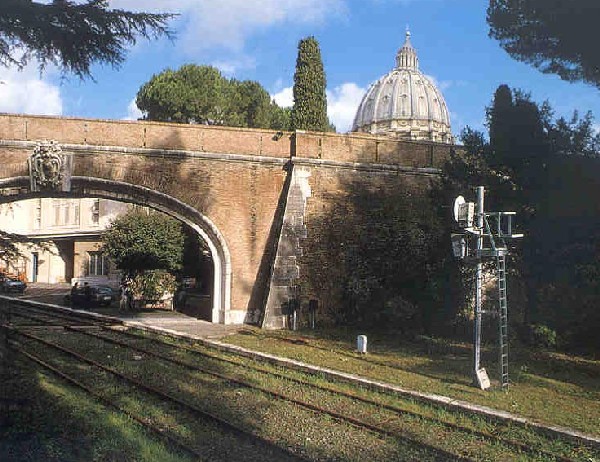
(179, 153)
(257, 142)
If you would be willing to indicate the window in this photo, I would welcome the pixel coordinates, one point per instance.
(66, 212)
(97, 264)
(37, 223)
(96, 211)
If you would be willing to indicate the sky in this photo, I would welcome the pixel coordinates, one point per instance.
(258, 39)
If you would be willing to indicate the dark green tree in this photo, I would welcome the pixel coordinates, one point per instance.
(281, 117)
(310, 100)
(252, 104)
(499, 120)
(138, 241)
(575, 136)
(546, 170)
(201, 95)
(9, 249)
(551, 35)
(191, 94)
(72, 35)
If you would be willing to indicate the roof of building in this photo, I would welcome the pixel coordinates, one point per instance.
(404, 103)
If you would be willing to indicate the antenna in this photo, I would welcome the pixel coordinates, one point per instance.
(457, 203)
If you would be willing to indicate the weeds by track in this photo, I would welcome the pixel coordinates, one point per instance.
(384, 418)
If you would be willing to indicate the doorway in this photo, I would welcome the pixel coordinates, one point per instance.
(35, 266)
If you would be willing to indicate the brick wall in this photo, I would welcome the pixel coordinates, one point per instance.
(354, 147)
(355, 217)
(235, 177)
(152, 135)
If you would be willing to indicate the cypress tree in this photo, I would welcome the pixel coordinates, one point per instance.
(500, 118)
(310, 101)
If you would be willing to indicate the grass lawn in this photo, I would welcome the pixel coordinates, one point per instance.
(548, 387)
(59, 423)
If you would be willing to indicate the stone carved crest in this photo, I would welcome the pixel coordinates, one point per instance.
(49, 168)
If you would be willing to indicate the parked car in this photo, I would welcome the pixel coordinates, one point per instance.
(98, 296)
(104, 295)
(13, 285)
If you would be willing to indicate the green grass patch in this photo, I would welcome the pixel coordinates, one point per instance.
(57, 422)
(550, 388)
(422, 431)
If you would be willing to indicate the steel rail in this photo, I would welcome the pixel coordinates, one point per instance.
(208, 415)
(452, 426)
(356, 422)
(43, 322)
(56, 314)
(106, 402)
(393, 433)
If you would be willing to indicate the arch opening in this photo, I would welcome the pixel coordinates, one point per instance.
(17, 189)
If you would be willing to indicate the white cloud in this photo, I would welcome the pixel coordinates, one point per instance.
(342, 103)
(445, 84)
(230, 66)
(26, 92)
(284, 97)
(133, 113)
(226, 24)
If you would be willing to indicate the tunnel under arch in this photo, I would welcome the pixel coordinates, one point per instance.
(18, 188)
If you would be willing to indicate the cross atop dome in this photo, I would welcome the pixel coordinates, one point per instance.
(407, 56)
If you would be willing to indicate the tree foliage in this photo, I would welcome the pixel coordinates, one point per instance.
(546, 170)
(72, 35)
(138, 241)
(552, 35)
(201, 95)
(9, 249)
(310, 100)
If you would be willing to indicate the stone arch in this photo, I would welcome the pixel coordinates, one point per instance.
(18, 188)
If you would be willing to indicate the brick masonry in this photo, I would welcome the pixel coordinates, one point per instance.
(263, 192)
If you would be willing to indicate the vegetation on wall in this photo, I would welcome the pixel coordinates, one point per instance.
(201, 95)
(381, 258)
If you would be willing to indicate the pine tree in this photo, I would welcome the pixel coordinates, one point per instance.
(72, 35)
(549, 35)
(310, 101)
(202, 95)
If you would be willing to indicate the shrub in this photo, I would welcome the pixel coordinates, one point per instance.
(152, 285)
(542, 336)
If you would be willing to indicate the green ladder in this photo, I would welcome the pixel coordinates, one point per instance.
(503, 320)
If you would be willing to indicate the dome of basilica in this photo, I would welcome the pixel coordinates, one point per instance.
(404, 103)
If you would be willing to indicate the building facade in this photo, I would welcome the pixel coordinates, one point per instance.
(63, 239)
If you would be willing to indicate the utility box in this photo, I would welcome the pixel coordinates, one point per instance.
(459, 245)
(483, 381)
(466, 214)
(361, 343)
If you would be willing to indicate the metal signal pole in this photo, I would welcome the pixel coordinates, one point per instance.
(478, 288)
(473, 219)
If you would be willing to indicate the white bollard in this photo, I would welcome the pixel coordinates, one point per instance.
(361, 343)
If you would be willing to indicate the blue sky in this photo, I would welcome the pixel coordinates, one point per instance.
(257, 40)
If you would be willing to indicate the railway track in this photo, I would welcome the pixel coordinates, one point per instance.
(399, 421)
